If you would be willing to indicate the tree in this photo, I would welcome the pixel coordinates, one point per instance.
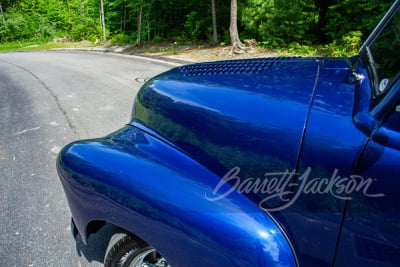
(280, 22)
(323, 7)
(233, 29)
(2, 15)
(354, 15)
(102, 21)
(139, 22)
(214, 22)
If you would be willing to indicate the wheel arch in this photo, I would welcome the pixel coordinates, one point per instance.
(160, 195)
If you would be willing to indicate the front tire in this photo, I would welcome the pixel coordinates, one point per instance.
(124, 250)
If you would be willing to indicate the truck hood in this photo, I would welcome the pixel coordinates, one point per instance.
(249, 114)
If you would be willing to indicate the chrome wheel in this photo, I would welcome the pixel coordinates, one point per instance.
(148, 257)
(125, 251)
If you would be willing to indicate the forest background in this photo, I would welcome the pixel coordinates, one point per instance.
(336, 27)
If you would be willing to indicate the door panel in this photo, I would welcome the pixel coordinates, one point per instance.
(371, 230)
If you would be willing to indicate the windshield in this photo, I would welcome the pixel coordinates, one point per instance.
(383, 53)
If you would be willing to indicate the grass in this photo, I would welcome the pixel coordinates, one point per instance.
(172, 49)
(32, 46)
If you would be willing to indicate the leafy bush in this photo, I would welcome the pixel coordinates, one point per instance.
(193, 26)
(352, 40)
(354, 15)
(345, 47)
(296, 26)
(277, 22)
(122, 39)
(19, 26)
(84, 30)
(157, 39)
(297, 48)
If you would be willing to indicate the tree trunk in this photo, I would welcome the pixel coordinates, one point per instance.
(148, 26)
(2, 15)
(323, 6)
(102, 21)
(237, 45)
(139, 23)
(214, 22)
(233, 29)
(123, 20)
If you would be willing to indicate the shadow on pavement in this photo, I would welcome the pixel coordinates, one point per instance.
(97, 244)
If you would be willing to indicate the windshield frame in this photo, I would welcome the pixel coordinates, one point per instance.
(366, 54)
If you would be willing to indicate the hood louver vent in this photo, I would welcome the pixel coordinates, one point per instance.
(246, 66)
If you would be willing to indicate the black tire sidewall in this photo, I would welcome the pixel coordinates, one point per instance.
(121, 250)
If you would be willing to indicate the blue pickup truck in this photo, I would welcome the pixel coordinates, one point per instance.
(258, 162)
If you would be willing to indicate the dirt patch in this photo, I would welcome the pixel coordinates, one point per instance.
(198, 53)
(193, 53)
(218, 53)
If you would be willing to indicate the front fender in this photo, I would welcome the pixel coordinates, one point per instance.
(137, 182)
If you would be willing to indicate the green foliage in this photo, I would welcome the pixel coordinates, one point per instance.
(122, 39)
(352, 40)
(18, 26)
(13, 28)
(158, 39)
(193, 26)
(354, 15)
(295, 25)
(296, 48)
(81, 21)
(333, 26)
(278, 22)
(43, 19)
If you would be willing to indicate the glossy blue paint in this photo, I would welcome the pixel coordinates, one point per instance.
(195, 167)
(246, 113)
(160, 195)
(371, 230)
(332, 141)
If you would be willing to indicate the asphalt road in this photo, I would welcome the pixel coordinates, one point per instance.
(48, 99)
